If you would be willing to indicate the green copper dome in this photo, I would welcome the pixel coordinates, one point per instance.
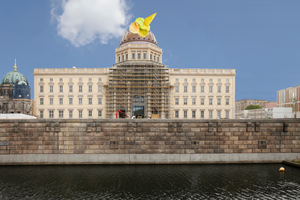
(14, 77)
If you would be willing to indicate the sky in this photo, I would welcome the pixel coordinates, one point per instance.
(258, 38)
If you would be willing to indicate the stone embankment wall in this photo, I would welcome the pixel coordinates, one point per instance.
(148, 141)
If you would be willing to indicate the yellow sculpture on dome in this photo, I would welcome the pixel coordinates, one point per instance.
(141, 25)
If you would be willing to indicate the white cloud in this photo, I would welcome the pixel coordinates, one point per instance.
(83, 21)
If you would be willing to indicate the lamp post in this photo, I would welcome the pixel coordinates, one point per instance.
(295, 105)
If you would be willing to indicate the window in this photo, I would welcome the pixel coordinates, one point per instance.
(194, 80)
(126, 56)
(51, 101)
(41, 88)
(202, 79)
(61, 114)
(176, 113)
(227, 80)
(185, 101)
(193, 101)
(41, 101)
(210, 115)
(90, 101)
(202, 113)
(185, 114)
(227, 101)
(60, 79)
(154, 58)
(80, 101)
(210, 89)
(41, 79)
(99, 101)
(185, 88)
(150, 56)
(90, 113)
(119, 59)
(70, 101)
(185, 80)
(51, 114)
(144, 55)
(80, 88)
(51, 88)
(157, 58)
(227, 89)
(194, 89)
(70, 113)
(219, 80)
(61, 101)
(210, 101)
(176, 88)
(219, 101)
(70, 79)
(61, 88)
(210, 80)
(122, 57)
(177, 79)
(99, 113)
(193, 114)
(90, 88)
(176, 101)
(70, 88)
(80, 114)
(90, 79)
(219, 89)
(227, 114)
(219, 114)
(99, 79)
(51, 79)
(202, 101)
(80, 79)
(99, 88)
(133, 55)
(139, 55)
(202, 89)
(41, 114)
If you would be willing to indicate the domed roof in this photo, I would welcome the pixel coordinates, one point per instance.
(132, 37)
(14, 77)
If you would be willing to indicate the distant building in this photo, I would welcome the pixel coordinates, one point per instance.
(15, 93)
(265, 113)
(290, 97)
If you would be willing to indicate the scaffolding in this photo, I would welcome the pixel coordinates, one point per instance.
(135, 85)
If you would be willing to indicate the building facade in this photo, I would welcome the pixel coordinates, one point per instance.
(289, 97)
(138, 84)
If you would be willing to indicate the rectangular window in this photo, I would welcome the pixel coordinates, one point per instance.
(194, 89)
(176, 113)
(41, 114)
(202, 113)
(193, 114)
(202, 101)
(70, 101)
(193, 101)
(99, 113)
(80, 114)
(210, 115)
(90, 88)
(80, 88)
(144, 55)
(210, 89)
(70, 88)
(51, 88)
(139, 56)
(177, 88)
(150, 56)
(227, 101)
(176, 101)
(41, 101)
(154, 58)
(99, 88)
(90, 101)
(61, 88)
(185, 101)
(185, 114)
(61, 101)
(51, 114)
(219, 101)
(70, 113)
(227, 89)
(51, 101)
(90, 113)
(219, 89)
(202, 89)
(61, 114)
(227, 114)
(185, 88)
(219, 114)
(210, 101)
(80, 101)
(122, 57)
(157, 58)
(133, 56)
(99, 101)
(41, 88)
(126, 56)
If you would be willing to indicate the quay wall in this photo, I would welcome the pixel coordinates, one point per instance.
(147, 141)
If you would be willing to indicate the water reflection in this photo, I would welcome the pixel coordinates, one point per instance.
(257, 181)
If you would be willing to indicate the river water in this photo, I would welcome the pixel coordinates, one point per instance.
(244, 181)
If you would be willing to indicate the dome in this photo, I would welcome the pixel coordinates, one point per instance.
(14, 77)
(132, 37)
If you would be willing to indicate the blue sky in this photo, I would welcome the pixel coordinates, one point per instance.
(258, 38)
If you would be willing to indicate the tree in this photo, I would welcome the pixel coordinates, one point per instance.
(250, 107)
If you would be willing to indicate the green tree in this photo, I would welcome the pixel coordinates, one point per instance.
(250, 107)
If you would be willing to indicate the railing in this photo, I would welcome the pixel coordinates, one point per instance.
(71, 70)
(202, 71)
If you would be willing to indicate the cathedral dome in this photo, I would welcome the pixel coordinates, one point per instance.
(130, 37)
(14, 77)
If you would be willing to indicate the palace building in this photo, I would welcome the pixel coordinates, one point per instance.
(138, 84)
